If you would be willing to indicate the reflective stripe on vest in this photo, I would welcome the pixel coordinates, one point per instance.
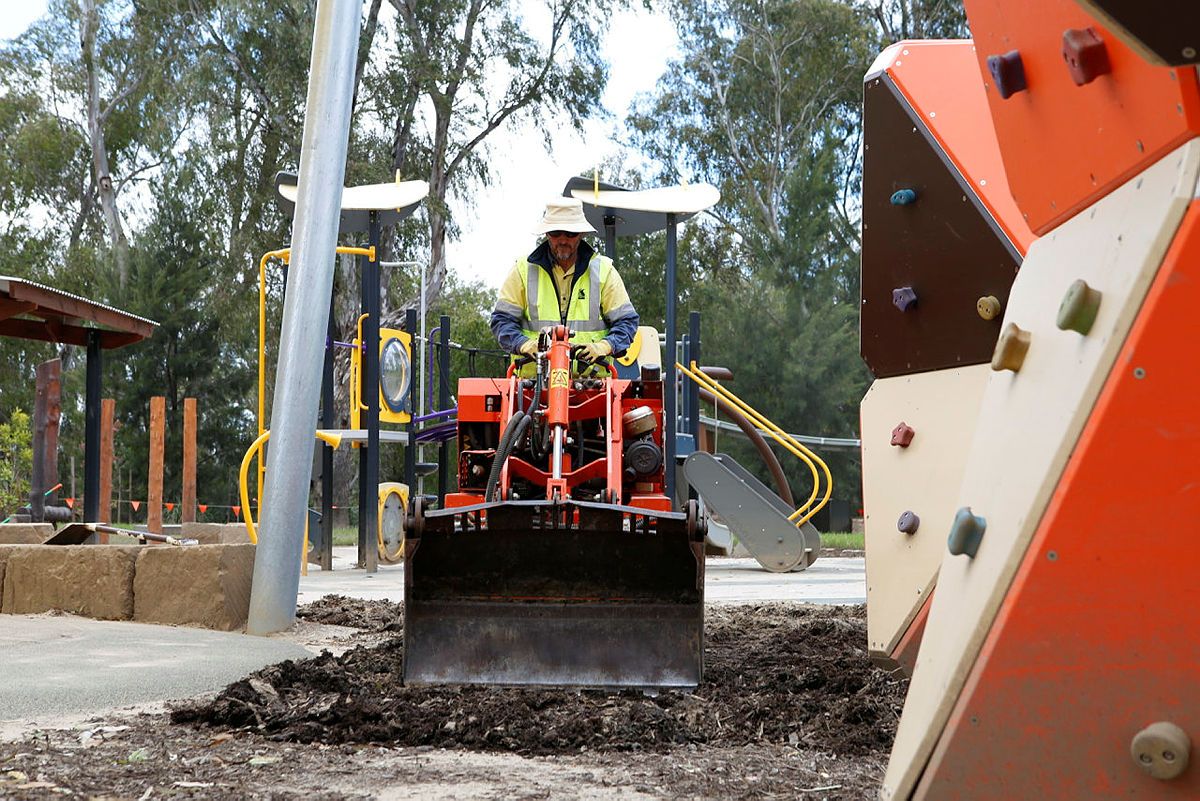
(583, 310)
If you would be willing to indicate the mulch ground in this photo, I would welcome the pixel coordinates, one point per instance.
(790, 707)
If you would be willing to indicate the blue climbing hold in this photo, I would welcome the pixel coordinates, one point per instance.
(903, 197)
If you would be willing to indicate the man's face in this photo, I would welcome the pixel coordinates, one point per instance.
(563, 246)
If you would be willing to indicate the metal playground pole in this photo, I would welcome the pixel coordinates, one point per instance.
(302, 340)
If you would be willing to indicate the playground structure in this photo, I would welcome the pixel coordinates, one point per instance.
(1031, 418)
(361, 209)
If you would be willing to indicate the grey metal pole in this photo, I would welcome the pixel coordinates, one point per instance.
(302, 338)
(669, 389)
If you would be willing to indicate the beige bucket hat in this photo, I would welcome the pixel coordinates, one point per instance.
(565, 214)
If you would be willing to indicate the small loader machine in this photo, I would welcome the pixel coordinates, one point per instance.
(560, 561)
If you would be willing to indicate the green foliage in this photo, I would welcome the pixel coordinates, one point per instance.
(764, 104)
(175, 279)
(16, 461)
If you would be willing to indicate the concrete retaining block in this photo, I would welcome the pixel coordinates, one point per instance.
(25, 533)
(5, 550)
(202, 585)
(216, 533)
(81, 579)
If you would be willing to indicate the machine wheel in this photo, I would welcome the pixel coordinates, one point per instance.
(697, 525)
(416, 518)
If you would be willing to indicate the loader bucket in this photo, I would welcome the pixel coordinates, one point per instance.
(554, 594)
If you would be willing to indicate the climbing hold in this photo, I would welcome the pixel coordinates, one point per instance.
(902, 435)
(1010, 349)
(988, 307)
(1085, 54)
(1079, 307)
(904, 298)
(904, 197)
(1008, 73)
(966, 532)
(1161, 750)
(908, 523)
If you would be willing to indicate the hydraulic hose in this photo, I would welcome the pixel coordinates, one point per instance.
(512, 433)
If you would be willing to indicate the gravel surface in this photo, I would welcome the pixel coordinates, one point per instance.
(790, 707)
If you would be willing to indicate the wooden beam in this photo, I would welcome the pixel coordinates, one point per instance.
(81, 308)
(188, 512)
(154, 496)
(57, 332)
(11, 308)
(49, 376)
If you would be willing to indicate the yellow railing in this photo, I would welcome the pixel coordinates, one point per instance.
(334, 440)
(284, 255)
(786, 440)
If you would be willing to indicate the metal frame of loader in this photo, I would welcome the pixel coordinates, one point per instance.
(566, 567)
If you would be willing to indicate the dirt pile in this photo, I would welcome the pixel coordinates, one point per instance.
(780, 674)
(338, 610)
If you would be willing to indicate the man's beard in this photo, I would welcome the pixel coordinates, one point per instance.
(563, 253)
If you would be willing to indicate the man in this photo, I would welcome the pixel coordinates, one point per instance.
(565, 281)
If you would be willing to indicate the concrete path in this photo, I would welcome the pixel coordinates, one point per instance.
(55, 666)
(829, 581)
(61, 668)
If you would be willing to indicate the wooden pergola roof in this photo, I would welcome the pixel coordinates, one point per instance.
(32, 311)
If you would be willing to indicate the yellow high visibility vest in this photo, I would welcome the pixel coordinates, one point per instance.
(583, 311)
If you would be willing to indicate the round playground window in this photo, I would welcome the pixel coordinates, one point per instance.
(394, 374)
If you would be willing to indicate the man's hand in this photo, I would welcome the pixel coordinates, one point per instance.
(593, 352)
(528, 348)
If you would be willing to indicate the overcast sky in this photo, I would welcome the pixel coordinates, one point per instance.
(498, 226)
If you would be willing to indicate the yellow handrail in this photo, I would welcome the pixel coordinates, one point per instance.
(758, 419)
(779, 435)
(284, 255)
(355, 389)
(334, 440)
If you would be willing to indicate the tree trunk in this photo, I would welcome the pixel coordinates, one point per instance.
(89, 22)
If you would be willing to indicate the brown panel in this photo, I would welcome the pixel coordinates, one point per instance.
(1164, 31)
(11, 308)
(188, 512)
(945, 246)
(56, 331)
(154, 506)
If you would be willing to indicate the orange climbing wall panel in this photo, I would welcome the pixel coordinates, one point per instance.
(1065, 146)
(1098, 634)
(941, 82)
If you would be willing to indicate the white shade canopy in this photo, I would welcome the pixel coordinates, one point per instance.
(683, 199)
(391, 202)
(373, 197)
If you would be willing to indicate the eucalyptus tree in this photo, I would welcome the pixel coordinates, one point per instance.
(764, 102)
(463, 69)
(919, 19)
(101, 82)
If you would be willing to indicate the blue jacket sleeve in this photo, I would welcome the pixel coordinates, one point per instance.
(507, 330)
(621, 332)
